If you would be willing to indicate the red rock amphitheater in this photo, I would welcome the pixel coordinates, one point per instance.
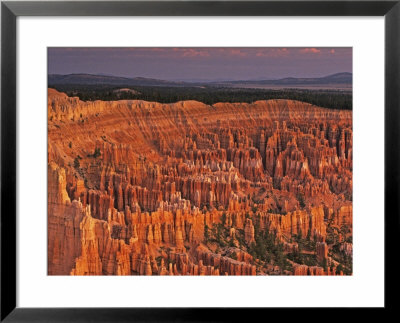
(144, 188)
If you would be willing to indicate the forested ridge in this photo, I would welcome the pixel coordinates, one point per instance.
(333, 99)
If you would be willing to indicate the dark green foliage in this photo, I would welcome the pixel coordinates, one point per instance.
(302, 259)
(277, 211)
(309, 234)
(96, 153)
(296, 257)
(218, 234)
(339, 268)
(158, 259)
(305, 244)
(348, 265)
(214, 231)
(324, 264)
(223, 218)
(280, 258)
(77, 164)
(332, 239)
(206, 233)
(266, 248)
(299, 235)
(333, 99)
(240, 237)
(231, 244)
(300, 198)
(345, 229)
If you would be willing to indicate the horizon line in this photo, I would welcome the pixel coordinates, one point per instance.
(193, 80)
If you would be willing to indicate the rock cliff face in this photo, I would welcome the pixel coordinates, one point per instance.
(143, 188)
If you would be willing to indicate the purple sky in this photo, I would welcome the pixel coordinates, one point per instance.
(201, 63)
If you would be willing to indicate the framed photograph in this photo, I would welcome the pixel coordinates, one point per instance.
(160, 158)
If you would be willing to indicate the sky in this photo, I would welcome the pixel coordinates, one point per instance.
(201, 63)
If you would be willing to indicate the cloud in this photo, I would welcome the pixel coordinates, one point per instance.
(310, 50)
(237, 52)
(272, 52)
(195, 53)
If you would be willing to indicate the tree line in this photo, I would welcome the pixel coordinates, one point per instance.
(333, 99)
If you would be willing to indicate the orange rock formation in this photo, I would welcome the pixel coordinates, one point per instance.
(143, 188)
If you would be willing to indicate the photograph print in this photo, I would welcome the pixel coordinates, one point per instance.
(199, 161)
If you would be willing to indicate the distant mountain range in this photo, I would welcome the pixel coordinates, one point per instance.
(338, 78)
(89, 79)
(335, 80)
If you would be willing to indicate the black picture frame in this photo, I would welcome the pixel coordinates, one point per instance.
(10, 10)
